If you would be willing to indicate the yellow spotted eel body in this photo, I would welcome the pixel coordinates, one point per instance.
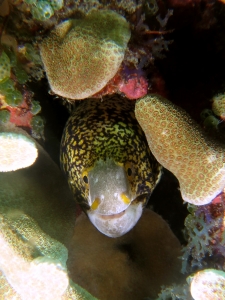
(107, 161)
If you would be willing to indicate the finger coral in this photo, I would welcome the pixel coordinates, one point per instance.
(208, 284)
(180, 146)
(36, 224)
(31, 277)
(17, 150)
(81, 55)
(33, 264)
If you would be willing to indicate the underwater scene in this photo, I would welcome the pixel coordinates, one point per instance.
(112, 149)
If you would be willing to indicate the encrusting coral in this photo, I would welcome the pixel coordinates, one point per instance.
(81, 55)
(133, 266)
(208, 284)
(181, 146)
(36, 224)
(17, 149)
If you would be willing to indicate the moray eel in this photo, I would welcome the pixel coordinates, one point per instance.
(108, 164)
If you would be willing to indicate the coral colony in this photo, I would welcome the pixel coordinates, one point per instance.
(177, 142)
(148, 77)
(81, 56)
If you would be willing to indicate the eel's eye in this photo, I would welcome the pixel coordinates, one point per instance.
(85, 178)
(129, 172)
(129, 169)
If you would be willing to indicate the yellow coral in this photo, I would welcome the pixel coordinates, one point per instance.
(81, 56)
(180, 146)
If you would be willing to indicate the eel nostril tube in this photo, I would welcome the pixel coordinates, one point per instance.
(95, 204)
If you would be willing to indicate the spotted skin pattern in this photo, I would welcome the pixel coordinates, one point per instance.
(101, 129)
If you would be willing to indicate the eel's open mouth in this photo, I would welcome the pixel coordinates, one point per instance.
(115, 225)
(113, 216)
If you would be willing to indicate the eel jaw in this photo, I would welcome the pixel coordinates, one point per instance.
(116, 225)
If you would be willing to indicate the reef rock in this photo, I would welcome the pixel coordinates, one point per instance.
(133, 266)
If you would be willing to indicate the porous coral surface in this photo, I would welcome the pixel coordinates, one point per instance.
(35, 227)
(80, 56)
(180, 146)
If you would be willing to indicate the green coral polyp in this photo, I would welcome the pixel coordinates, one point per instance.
(211, 122)
(13, 97)
(56, 4)
(35, 107)
(5, 66)
(6, 86)
(42, 11)
(4, 116)
(21, 75)
(37, 124)
(32, 54)
(30, 1)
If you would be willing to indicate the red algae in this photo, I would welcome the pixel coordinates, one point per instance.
(134, 88)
